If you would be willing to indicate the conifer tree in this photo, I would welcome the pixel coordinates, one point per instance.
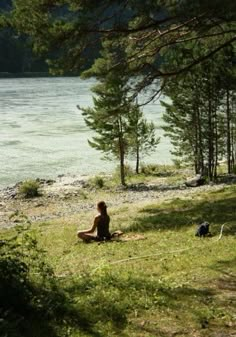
(120, 125)
(142, 136)
(199, 119)
(108, 118)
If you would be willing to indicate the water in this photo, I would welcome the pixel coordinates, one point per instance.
(42, 133)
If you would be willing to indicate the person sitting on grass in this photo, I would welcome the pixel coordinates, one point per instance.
(100, 225)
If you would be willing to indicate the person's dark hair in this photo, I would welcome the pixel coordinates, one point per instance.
(103, 207)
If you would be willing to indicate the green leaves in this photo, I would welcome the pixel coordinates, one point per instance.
(195, 120)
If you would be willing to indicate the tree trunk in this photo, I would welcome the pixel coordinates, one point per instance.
(233, 148)
(216, 146)
(228, 117)
(122, 167)
(201, 158)
(210, 139)
(233, 134)
(122, 154)
(137, 160)
(196, 144)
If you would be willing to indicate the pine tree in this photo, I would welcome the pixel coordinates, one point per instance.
(142, 136)
(109, 117)
(199, 118)
(70, 30)
(121, 127)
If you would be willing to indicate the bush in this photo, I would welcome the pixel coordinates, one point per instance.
(158, 170)
(177, 163)
(149, 169)
(97, 182)
(29, 189)
(24, 297)
(129, 172)
(31, 297)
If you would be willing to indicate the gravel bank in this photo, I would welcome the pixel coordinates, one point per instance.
(68, 196)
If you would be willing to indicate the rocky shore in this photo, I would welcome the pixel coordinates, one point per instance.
(70, 195)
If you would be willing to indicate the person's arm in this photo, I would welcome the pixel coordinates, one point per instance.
(93, 228)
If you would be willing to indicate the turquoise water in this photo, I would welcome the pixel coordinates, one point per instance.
(42, 133)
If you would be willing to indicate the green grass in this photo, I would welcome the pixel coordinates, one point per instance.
(170, 284)
(151, 173)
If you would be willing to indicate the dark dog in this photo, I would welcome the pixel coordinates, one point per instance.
(203, 230)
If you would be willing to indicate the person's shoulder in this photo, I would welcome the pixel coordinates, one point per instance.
(98, 217)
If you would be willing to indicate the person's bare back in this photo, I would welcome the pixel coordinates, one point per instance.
(101, 225)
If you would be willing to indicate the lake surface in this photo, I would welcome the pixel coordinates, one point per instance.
(42, 133)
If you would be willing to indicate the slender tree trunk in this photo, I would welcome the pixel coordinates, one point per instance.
(137, 159)
(122, 154)
(199, 164)
(216, 146)
(228, 118)
(210, 139)
(196, 144)
(122, 167)
(233, 147)
(233, 134)
(201, 158)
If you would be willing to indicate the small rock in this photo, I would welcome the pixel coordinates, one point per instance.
(195, 182)
(39, 205)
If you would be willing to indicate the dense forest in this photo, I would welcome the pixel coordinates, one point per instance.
(16, 55)
(15, 52)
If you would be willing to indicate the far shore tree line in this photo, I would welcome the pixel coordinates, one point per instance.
(184, 50)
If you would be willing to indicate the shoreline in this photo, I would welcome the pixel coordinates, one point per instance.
(69, 196)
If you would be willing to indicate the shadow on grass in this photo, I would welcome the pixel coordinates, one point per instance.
(112, 298)
(32, 300)
(102, 304)
(182, 213)
(40, 310)
(227, 281)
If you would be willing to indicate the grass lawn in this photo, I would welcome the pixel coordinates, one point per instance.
(169, 284)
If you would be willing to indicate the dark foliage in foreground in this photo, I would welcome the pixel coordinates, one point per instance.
(31, 299)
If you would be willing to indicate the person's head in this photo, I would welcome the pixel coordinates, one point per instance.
(102, 207)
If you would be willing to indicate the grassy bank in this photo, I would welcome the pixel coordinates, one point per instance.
(168, 284)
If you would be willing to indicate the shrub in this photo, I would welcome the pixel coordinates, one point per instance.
(158, 170)
(129, 172)
(177, 163)
(22, 295)
(97, 182)
(29, 189)
(31, 296)
(149, 169)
